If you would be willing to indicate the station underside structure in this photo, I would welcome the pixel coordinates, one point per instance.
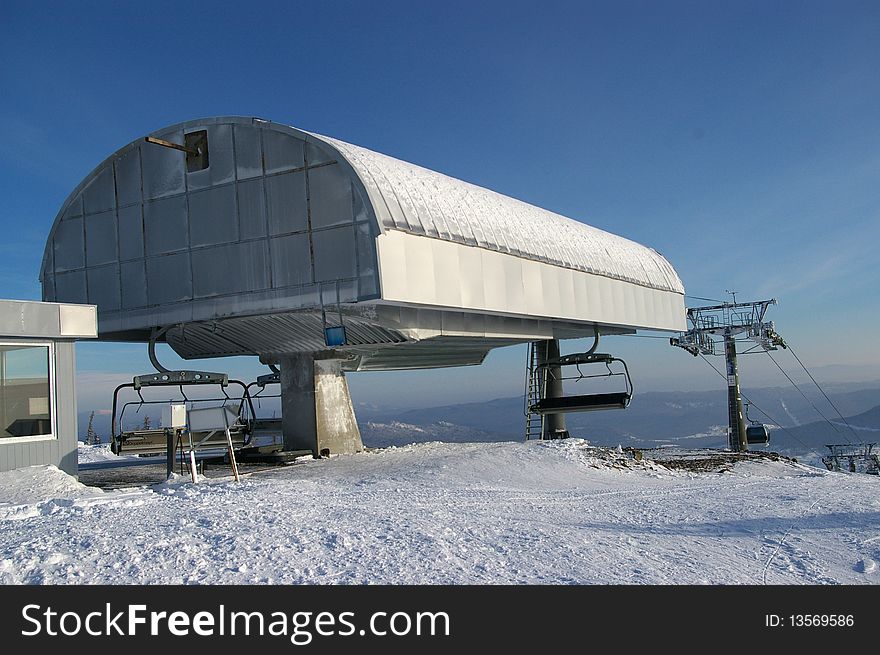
(239, 236)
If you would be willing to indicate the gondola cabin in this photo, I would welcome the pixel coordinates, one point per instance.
(757, 434)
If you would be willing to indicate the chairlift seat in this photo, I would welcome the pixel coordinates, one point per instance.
(585, 403)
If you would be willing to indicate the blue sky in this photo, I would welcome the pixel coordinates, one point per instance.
(739, 139)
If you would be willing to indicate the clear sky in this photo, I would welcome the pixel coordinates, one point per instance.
(739, 139)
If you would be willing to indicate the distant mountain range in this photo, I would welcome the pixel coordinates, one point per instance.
(802, 439)
(653, 419)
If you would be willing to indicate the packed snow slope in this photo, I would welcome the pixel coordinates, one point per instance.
(435, 513)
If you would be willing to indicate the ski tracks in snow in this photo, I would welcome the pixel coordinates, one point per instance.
(456, 514)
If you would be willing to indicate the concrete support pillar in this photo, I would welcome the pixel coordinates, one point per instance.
(316, 409)
(554, 424)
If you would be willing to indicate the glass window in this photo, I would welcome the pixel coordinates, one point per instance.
(25, 391)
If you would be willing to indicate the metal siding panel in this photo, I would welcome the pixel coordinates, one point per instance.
(65, 372)
(330, 199)
(235, 268)
(165, 225)
(101, 239)
(446, 263)
(291, 263)
(100, 194)
(361, 212)
(286, 196)
(128, 178)
(368, 271)
(318, 154)
(421, 283)
(48, 267)
(49, 287)
(531, 274)
(392, 265)
(29, 318)
(134, 284)
(221, 163)
(65, 369)
(74, 209)
(334, 254)
(248, 155)
(515, 293)
(212, 216)
(494, 285)
(168, 279)
(566, 290)
(435, 204)
(104, 288)
(581, 294)
(471, 276)
(550, 291)
(282, 152)
(68, 245)
(71, 287)
(163, 168)
(131, 233)
(251, 209)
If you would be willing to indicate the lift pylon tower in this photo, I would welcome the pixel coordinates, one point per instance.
(727, 321)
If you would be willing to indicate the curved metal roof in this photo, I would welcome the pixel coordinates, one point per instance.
(284, 221)
(420, 201)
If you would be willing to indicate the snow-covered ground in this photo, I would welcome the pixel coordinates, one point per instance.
(438, 513)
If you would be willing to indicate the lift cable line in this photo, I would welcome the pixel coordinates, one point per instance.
(834, 426)
(751, 403)
(704, 299)
(818, 411)
(823, 392)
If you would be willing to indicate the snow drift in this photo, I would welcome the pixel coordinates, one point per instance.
(437, 513)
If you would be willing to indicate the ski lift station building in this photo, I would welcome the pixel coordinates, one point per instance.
(240, 236)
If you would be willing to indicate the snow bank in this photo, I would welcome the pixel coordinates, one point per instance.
(88, 453)
(34, 484)
(436, 513)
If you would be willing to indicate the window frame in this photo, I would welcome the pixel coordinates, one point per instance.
(53, 414)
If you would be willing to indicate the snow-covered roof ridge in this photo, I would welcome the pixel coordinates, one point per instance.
(420, 201)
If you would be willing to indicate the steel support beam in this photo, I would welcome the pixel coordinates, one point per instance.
(736, 434)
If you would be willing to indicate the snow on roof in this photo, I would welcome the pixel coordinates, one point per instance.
(420, 201)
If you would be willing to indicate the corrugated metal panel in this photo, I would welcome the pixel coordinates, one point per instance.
(281, 213)
(424, 202)
(272, 334)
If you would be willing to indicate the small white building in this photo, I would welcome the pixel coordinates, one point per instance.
(37, 381)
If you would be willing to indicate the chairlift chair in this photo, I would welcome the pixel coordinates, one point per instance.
(153, 441)
(587, 402)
